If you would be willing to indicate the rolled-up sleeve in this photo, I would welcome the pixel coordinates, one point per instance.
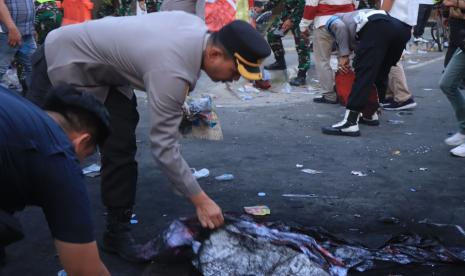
(166, 95)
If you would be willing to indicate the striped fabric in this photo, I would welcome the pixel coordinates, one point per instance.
(319, 11)
(23, 13)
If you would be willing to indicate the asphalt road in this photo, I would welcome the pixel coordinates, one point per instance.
(261, 148)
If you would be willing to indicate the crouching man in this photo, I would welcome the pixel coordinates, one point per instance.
(39, 165)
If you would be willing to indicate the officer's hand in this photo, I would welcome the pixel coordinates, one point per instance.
(208, 212)
(14, 37)
(287, 25)
(344, 64)
(142, 5)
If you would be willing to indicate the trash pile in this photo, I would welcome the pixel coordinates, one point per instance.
(200, 120)
(244, 247)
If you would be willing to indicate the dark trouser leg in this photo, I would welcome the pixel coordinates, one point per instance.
(455, 25)
(424, 12)
(275, 40)
(119, 175)
(39, 82)
(119, 167)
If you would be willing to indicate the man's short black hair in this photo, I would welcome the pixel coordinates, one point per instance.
(82, 111)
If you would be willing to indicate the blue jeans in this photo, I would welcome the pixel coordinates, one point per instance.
(449, 84)
(22, 53)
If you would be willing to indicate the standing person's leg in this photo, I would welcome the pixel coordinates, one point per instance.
(424, 12)
(119, 174)
(274, 36)
(322, 48)
(449, 84)
(397, 84)
(23, 56)
(302, 45)
(455, 25)
(7, 54)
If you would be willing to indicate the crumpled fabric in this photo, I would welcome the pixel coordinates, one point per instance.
(244, 247)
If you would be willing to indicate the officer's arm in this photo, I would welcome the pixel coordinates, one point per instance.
(297, 12)
(342, 36)
(80, 259)
(14, 36)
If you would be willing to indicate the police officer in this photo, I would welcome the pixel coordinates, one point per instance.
(95, 56)
(39, 165)
(288, 20)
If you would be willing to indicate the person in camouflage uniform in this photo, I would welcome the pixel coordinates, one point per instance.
(114, 8)
(150, 5)
(288, 20)
(48, 17)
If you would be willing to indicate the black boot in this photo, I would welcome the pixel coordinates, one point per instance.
(347, 127)
(300, 80)
(2, 256)
(117, 237)
(279, 64)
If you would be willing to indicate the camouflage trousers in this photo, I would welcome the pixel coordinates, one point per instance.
(48, 17)
(302, 45)
(153, 5)
(114, 8)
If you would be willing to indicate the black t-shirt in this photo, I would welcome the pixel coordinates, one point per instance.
(38, 166)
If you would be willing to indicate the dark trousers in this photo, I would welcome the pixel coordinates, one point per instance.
(455, 25)
(374, 56)
(119, 167)
(424, 11)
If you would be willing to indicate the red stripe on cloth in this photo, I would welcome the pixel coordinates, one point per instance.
(310, 12)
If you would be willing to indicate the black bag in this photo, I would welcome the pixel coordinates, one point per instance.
(10, 229)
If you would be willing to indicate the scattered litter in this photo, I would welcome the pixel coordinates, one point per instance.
(299, 165)
(262, 194)
(200, 173)
(403, 113)
(246, 97)
(248, 89)
(358, 173)
(225, 177)
(409, 133)
(308, 196)
(260, 210)
(427, 89)
(286, 88)
(413, 190)
(422, 52)
(412, 62)
(92, 170)
(310, 171)
(396, 152)
(357, 215)
(134, 219)
(242, 245)
(389, 220)
(395, 122)
(423, 169)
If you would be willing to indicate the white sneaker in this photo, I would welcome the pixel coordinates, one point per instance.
(420, 40)
(458, 151)
(456, 139)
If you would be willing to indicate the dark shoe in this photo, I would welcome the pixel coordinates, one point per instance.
(117, 237)
(372, 121)
(300, 80)
(2, 256)
(277, 65)
(408, 104)
(322, 99)
(347, 127)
